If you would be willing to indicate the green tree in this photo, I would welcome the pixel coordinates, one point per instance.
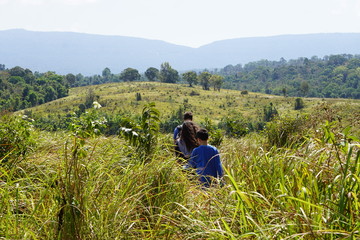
(25, 92)
(29, 77)
(17, 71)
(168, 74)
(106, 74)
(152, 73)
(33, 98)
(71, 79)
(204, 79)
(190, 77)
(216, 81)
(341, 73)
(304, 88)
(16, 80)
(130, 74)
(50, 94)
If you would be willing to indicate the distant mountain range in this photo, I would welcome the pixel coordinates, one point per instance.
(88, 54)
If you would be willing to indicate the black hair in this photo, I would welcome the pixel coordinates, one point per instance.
(202, 134)
(188, 116)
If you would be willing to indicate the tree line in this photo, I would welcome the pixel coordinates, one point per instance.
(166, 74)
(335, 76)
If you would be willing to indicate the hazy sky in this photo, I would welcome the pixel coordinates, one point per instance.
(185, 22)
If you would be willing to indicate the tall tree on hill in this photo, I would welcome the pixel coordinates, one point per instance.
(17, 71)
(71, 79)
(152, 73)
(216, 81)
(130, 74)
(190, 77)
(106, 74)
(204, 79)
(168, 74)
(304, 88)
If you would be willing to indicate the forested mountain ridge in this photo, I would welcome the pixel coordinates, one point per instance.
(88, 54)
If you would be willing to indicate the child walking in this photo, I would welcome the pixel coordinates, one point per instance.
(206, 159)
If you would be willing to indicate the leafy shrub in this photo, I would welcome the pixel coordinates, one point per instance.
(299, 104)
(89, 124)
(286, 131)
(194, 93)
(234, 126)
(90, 98)
(16, 138)
(270, 112)
(216, 135)
(143, 135)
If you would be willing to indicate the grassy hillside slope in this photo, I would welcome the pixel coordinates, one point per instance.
(66, 185)
(121, 97)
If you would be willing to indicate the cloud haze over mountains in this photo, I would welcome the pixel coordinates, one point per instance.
(88, 54)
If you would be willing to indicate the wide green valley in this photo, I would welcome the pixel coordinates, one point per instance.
(100, 164)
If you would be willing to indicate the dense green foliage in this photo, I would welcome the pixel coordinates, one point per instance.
(143, 135)
(129, 74)
(152, 73)
(16, 139)
(168, 74)
(21, 88)
(335, 76)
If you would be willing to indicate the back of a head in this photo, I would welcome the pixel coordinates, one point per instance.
(202, 134)
(188, 116)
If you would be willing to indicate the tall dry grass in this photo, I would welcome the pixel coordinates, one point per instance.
(98, 189)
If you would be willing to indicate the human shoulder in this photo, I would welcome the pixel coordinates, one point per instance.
(212, 147)
(209, 147)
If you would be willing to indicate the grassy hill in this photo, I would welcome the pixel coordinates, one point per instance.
(121, 97)
(69, 185)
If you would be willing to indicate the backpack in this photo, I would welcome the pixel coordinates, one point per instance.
(178, 128)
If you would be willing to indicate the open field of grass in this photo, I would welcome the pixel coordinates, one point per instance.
(99, 187)
(121, 97)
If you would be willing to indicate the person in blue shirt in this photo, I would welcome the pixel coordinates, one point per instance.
(206, 159)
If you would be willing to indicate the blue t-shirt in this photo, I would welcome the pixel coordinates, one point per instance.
(206, 160)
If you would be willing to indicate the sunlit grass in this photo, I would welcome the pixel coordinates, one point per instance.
(98, 188)
(269, 193)
(121, 98)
